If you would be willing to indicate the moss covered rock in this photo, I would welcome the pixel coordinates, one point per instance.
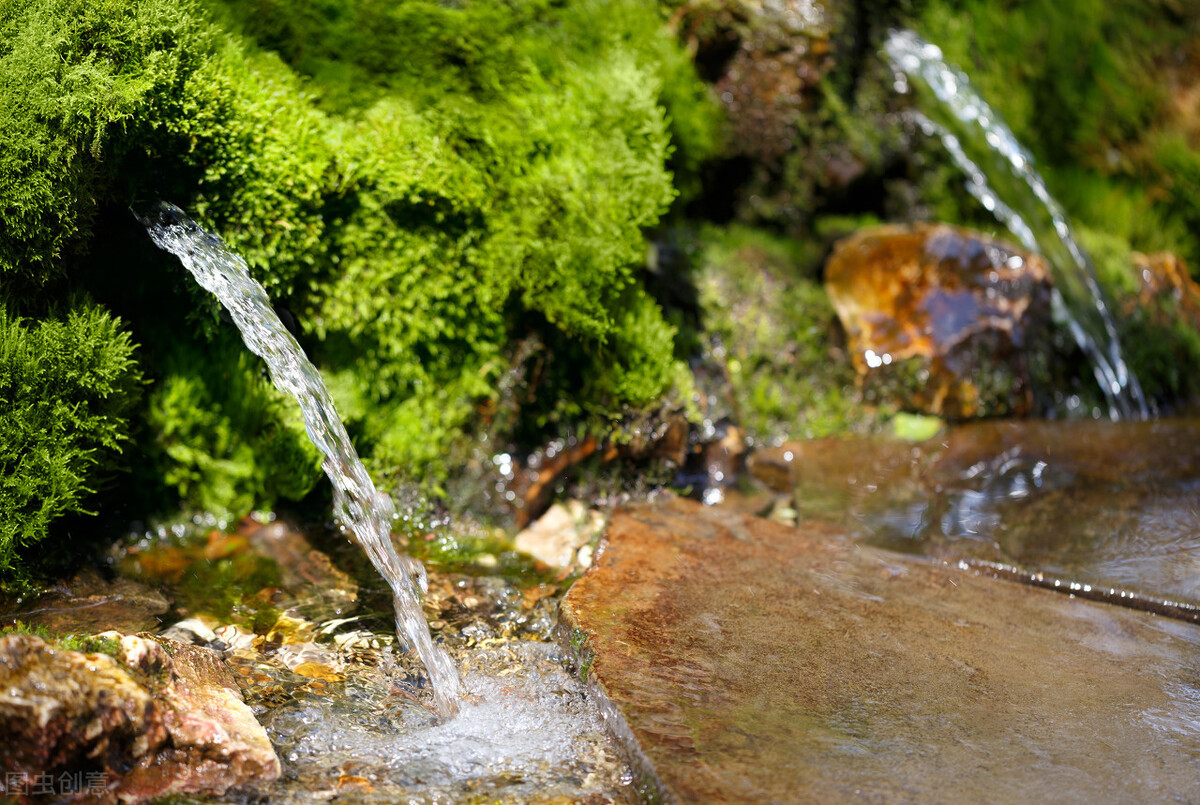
(774, 337)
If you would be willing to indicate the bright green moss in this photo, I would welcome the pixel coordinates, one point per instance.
(67, 384)
(225, 438)
(778, 335)
(75, 78)
(86, 644)
(420, 183)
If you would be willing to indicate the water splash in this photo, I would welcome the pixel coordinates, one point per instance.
(358, 506)
(1001, 175)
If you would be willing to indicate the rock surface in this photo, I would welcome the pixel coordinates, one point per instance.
(162, 719)
(1100, 503)
(943, 320)
(87, 604)
(754, 662)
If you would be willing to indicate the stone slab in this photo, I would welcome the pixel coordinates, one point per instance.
(754, 662)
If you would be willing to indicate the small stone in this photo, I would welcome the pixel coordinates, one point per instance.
(192, 630)
(316, 670)
(554, 538)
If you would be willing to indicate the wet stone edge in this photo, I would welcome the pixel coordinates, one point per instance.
(580, 652)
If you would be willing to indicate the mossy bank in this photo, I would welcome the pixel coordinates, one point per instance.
(418, 186)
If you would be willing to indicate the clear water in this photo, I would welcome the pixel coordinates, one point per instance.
(1095, 502)
(358, 506)
(1001, 175)
(526, 732)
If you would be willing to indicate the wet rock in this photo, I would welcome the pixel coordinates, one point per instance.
(772, 55)
(942, 320)
(305, 572)
(843, 480)
(1091, 502)
(753, 662)
(87, 604)
(157, 719)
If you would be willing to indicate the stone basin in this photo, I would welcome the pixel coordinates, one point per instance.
(748, 661)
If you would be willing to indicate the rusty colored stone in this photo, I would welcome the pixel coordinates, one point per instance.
(942, 320)
(752, 662)
(161, 719)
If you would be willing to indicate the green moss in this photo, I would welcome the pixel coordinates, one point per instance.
(224, 437)
(778, 335)
(67, 385)
(1158, 337)
(85, 644)
(75, 77)
(420, 183)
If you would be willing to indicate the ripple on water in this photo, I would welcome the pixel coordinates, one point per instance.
(525, 732)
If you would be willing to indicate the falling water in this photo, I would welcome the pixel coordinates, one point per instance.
(1001, 175)
(360, 509)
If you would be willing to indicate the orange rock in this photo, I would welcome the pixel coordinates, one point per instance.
(163, 719)
(940, 319)
(745, 661)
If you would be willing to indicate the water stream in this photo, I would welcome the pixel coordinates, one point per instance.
(358, 506)
(1001, 175)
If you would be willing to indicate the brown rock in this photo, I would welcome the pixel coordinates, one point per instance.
(87, 604)
(752, 662)
(58, 708)
(769, 85)
(306, 572)
(942, 320)
(164, 719)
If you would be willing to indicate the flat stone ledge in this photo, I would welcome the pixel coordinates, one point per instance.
(754, 662)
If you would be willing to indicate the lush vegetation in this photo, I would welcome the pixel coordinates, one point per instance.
(1099, 91)
(453, 203)
(419, 185)
(67, 384)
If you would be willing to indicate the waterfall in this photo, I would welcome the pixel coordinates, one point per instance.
(359, 508)
(1001, 175)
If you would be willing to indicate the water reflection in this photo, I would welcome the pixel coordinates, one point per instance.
(1112, 504)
